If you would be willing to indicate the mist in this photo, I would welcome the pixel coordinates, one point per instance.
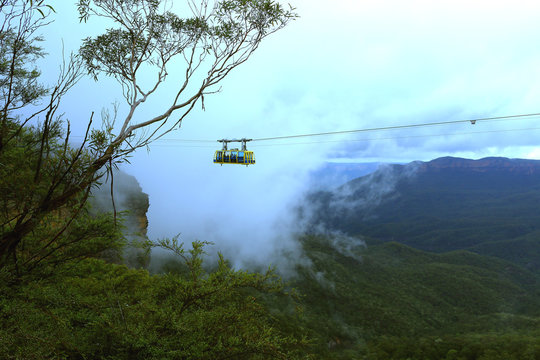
(252, 214)
(372, 64)
(369, 191)
(249, 213)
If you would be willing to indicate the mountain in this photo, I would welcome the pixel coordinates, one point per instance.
(488, 206)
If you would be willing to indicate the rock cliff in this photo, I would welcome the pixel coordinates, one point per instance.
(131, 205)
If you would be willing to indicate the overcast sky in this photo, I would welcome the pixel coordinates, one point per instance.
(343, 65)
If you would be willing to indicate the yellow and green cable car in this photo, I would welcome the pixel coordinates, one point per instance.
(234, 156)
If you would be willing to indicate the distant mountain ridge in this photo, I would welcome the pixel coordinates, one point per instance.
(489, 206)
(523, 166)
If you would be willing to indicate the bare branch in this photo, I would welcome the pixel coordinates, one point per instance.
(222, 36)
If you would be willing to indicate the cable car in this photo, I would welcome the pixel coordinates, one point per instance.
(234, 156)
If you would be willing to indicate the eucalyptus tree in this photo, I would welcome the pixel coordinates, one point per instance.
(145, 40)
(148, 38)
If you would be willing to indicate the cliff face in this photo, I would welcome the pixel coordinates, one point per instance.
(128, 198)
(132, 205)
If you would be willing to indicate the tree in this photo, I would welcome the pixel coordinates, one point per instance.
(96, 310)
(38, 165)
(18, 82)
(71, 232)
(217, 38)
(213, 40)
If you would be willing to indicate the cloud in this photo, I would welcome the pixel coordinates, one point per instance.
(533, 154)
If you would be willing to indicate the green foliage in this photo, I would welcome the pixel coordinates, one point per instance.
(40, 6)
(215, 36)
(18, 78)
(44, 181)
(91, 309)
(383, 302)
(358, 296)
(28, 181)
(148, 34)
(512, 346)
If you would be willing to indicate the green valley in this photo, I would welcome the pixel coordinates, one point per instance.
(356, 302)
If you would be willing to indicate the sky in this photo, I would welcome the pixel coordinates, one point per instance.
(342, 65)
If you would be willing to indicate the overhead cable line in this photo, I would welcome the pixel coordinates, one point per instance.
(403, 137)
(472, 121)
(186, 140)
(364, 139)
(394, 127)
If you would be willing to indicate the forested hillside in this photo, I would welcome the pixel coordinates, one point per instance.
(488, 206)
(449, 266)
(390, 301)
